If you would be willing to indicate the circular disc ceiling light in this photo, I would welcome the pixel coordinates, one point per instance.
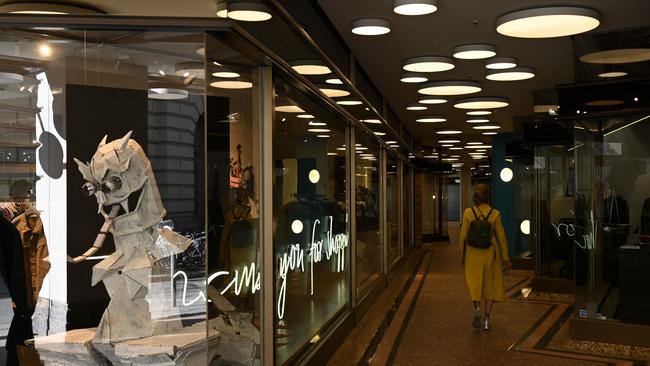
(373, 121)
(620, 56)
(449, 131)
(449, 141)
(612, 74)
(450, 87)
(428, 64)
(232, 84)
(478, 113)
(478, 120)
(501, 63)
(334, 93)
(334, 81)
(512, 74)
(310, 67)
(248, 11)
(474, 51)
(488, 133)
(370, 26)
(349, 101)
(431, 119)
(45, 8)
(413, 77)
(487, 126)
(190, 69)
(289, 108)
(414, 7)
(432, 100)
(416, 107)
(481, 103)
(548, 22)
(222, 8)
(167, 93)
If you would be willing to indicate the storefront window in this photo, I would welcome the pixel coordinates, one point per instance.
(310, 220)
(392, 208)
(407, 207)
(369, 257)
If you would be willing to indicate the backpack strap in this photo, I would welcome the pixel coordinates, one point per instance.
(474, 212)
(488, 215)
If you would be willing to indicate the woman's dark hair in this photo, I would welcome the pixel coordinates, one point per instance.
(481, 194)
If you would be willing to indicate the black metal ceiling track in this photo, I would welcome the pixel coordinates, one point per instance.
(286, 18)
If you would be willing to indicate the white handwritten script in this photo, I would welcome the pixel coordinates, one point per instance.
(587, 238)
(329, 247)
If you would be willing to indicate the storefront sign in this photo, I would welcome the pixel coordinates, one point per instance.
(584, 240)
(330, 247)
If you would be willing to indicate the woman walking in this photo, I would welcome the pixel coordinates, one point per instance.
(485, 254)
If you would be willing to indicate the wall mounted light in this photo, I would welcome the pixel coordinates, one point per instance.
(474, 51)
(506, 174)
(370, 26)
(525, 227)
(428, 64)
(548, 22)
(414, 7)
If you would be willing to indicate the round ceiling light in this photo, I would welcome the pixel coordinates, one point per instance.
(414, 7)
(431, 119)
(349, 101)
(373, 121)
(289, 109)
(318, 130)
(306, 116)
(474, 51)
(488, 133)
(612, 74)
(474, 143)
(232, 84)
(450, 87)
(378, 133)
(334, 81)
(310, 67)
(447, 145)
(167, 93)
(190, 69)
(428, 64)
(317, 123)
(512, 74)
(449, 141)
(481, 103)
(416, 107)
(432, 100)
(478, 120)
(455, 148)
(489, 126)
(501, 63)
(413, 77)
(478, 113)
(370, 26)
(225, 74)
(449, 131)
(44, 8)
(222, 8)
(548, 22)
(334, 93)
(619, 56)
(248, 11)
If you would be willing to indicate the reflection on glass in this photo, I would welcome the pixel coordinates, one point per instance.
(367, 212)
(406, 227)
(392, 202)
(310, 222)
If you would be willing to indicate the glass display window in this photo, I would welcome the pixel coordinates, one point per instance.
(393, 220)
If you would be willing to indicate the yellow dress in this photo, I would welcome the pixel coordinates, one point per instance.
(483, 267)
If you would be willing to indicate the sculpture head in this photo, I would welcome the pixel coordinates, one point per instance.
(120, 173)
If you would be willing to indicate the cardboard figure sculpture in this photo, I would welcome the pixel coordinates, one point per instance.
(120, 177)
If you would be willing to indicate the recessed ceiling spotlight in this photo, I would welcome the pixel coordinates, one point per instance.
(617, 56)
(431, 119)
(481, 103)
(310, 67)
(475, 51)
(489, 126)
(231, 84)
(478, 120)
(512, 74)
(334, 92)
(449, 131)
(416, 107)
(478, 113)
(488, 133)
(501, 63)
(349, 101)
(428, 64)
(612, 74)
(248, 10)
(289, 108)
(44, 8)
(370, 26)
(448, 141)
(334, 81)
(414, 7)
(432, 100)
(548, 22)
(450, 87)
(167, 93)
(413, 77)
(373, 121)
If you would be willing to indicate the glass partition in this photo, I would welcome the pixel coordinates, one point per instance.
(392, 209)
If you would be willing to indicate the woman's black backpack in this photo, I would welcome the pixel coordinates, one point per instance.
(480, 232)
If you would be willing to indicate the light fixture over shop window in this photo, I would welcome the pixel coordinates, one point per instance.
(548, 22)
(415, 7)
(370, 26)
